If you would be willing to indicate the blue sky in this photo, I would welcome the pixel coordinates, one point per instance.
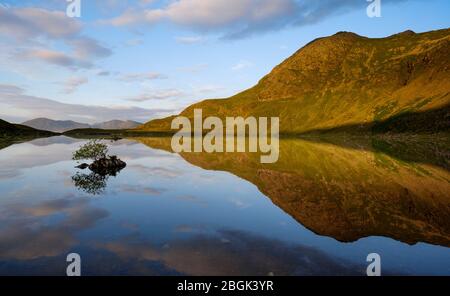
(144, 59)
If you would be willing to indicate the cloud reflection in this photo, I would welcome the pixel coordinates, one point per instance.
(28, 231)
(233, 253)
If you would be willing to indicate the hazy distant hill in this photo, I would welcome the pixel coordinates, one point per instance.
(58, 126)
(9, 130)
(398, 83)
(117, 124)
(67, 125)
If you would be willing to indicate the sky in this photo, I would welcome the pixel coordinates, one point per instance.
(145, 59)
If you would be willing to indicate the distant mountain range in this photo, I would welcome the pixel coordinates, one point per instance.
(17, 131)
(348, 82)
(117, 124)
(60, 126)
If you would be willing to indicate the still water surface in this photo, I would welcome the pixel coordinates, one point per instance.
(320, 210)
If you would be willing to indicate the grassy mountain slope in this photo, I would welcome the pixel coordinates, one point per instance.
(347, 80)
(17, 131)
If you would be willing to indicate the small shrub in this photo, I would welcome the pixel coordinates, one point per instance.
(91, 150)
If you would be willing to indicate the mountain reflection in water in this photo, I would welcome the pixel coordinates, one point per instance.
(344, 193)
(201, 214)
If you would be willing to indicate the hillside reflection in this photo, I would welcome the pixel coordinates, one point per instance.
(347, 193)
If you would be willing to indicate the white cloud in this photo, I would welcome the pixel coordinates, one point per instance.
(139, 77)
(239, 18)
(52, 57)
(207, 14)
(146, 2)
(156, 95)
(103, 73)
(223, 12)
(235, 17)
(72, 84)
(7, 89)
(87, 48)
(134, 42)
(26, 23)
(33, 31)
(210, 88)
(135, 17)
(194, 69)
(189, 39)
(16, 106)
(241, 65)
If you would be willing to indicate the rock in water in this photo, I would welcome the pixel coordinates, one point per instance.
(107, 166)
(82, 166)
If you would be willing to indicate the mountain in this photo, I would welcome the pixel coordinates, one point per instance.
(117, 124)
(346, 81)
(10, 131)
(58, 126)
(61, 126)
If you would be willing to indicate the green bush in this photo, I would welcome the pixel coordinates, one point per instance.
(91, 150)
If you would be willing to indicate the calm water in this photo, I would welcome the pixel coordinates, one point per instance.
(320, 210)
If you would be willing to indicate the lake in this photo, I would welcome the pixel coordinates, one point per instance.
(320, 210)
